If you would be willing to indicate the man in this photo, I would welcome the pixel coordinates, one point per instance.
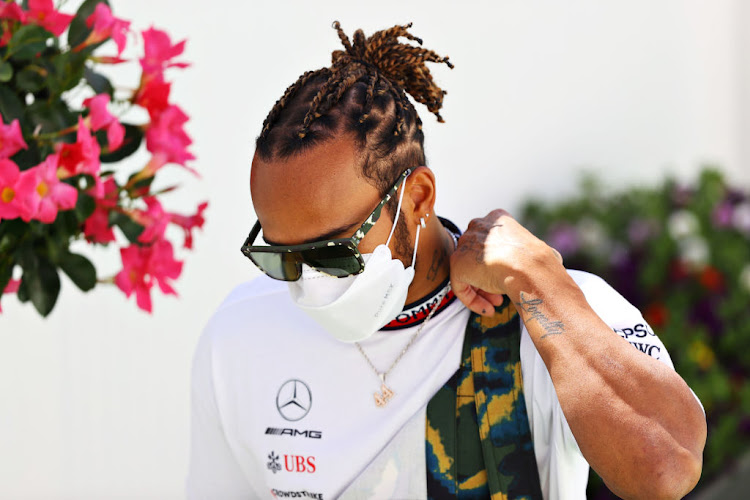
(503, 376)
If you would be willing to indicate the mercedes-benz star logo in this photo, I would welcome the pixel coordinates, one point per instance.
(294, 400)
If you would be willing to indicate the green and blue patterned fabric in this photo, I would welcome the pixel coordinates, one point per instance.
(478, 439)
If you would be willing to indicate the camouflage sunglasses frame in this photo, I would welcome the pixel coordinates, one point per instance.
(289, 258)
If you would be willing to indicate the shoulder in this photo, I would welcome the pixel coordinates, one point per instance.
(603, 299)
(249, 306)
(623, 317)
(249, 291)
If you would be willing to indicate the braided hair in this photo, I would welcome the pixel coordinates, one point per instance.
(362, 93)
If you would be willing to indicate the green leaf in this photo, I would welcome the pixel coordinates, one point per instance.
(6, 273)
(65, 227)
(11, 106)
(31, 78)
(41, 282)
(51, 73)
(79, 269)
(7, 241)
(78, 31)
(130, 144)
(99, 83)
(131, 229)
(27, 158)
(28, 41)
(6, 71)
(52, 116)
(23, 293)
(85, 206)
(70, 66)
(14, 229)
(142, 185)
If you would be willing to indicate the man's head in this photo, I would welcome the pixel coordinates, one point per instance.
(339, 138)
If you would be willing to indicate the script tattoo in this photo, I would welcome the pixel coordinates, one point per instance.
(532, 307)
(438, 257)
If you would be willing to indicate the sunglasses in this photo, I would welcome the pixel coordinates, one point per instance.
(339, 257)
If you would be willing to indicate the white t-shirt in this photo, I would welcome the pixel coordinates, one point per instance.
(280, 409)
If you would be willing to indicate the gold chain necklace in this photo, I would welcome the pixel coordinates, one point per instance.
(386, 393)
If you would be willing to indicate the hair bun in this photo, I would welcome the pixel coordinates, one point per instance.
(402, 64)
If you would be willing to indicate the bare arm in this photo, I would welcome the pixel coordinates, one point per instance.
(634, 419)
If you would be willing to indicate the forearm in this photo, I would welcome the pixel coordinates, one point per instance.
(634, 419)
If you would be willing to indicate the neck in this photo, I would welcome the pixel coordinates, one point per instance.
(433, 262)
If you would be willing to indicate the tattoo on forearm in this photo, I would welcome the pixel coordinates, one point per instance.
(438, 258)
(532, 307)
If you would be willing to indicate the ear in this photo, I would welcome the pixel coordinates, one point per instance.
(420, 192)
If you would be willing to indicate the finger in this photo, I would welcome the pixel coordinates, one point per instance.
(473, 300)
(495, 299)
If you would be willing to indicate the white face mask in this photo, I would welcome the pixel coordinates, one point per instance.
(353, 308)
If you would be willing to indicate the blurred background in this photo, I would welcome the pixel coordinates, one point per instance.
(616, 130)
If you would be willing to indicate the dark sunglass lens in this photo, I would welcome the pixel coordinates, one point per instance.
(278, 265)
(333, 260)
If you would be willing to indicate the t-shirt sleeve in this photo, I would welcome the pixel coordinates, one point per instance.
(562, 468)
(213, 471)
(624, 318)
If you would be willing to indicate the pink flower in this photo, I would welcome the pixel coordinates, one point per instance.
(188, 223)
(158, 53)
(7, 33)
(115, 135)
(107, 26)
(10, 202)
(100, 117)
(164, 267)
(154, 220)
(145, 265)
(110, 194)
(46, 194)
(81, 157)
(134, 276)
(43, 13)
(11, 139)
(12, 11)
(11, 287)
(97, 228)
(165, 136)
(154, 96)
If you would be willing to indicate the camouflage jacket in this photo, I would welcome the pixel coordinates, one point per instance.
(478, 439)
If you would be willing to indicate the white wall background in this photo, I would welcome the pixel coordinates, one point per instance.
(94, 400)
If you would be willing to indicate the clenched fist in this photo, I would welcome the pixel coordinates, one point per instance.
(497, 256)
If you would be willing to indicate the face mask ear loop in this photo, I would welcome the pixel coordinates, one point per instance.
(398, 211)
(416, 245)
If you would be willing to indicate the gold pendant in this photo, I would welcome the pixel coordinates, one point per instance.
(382, 397)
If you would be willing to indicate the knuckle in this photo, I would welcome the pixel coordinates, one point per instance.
(454, 261)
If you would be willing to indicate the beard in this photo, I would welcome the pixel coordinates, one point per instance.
(403, 241)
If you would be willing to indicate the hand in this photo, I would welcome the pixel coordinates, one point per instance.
(497, 256)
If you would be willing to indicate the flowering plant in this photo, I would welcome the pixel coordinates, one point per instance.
(60, 122)
(681, 254)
